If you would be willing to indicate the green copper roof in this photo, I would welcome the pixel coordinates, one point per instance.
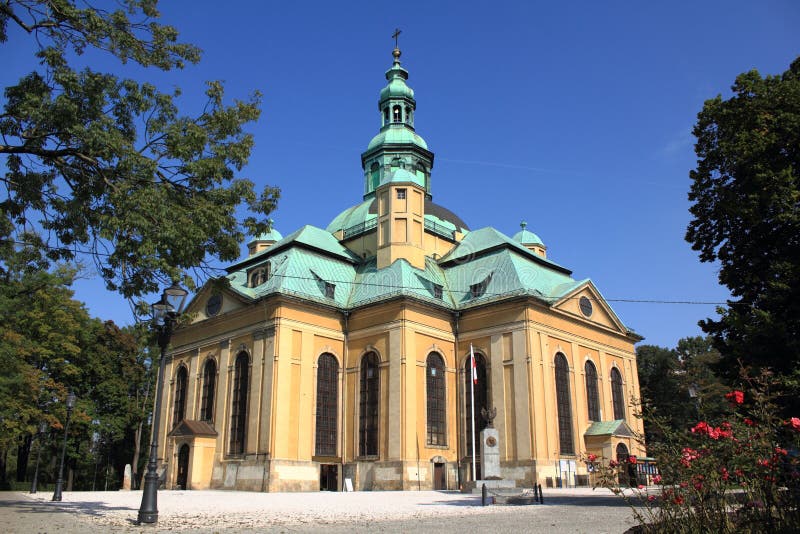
(486, 266)
(307, 236)
(397, 134)
(399, 279)
(402, 175)
(618, 427)
(485, 239)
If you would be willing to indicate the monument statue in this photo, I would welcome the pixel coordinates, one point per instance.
(488, 415)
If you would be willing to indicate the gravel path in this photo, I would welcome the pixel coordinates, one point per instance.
(566, 510)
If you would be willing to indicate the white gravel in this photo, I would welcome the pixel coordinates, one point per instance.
(394, 511)
(208, 510)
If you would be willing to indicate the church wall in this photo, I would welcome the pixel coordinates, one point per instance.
(519, 342)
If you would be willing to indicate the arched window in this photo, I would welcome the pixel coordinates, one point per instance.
(481, 388)
(179, 408)
(209, 390)
(239, 403)
(408, 115)
(385, 115)
(592, 396)
(397, 114)
(375, 175)
(435, 395)
(563, 401)
(369, 406)
(260, 275)
(617, 396)
(327, 402)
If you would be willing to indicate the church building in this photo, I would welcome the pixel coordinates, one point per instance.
(339, 358)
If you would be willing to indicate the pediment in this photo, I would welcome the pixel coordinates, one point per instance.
(213, 300)
(586, 298)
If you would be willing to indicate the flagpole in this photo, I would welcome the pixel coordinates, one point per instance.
(472, 400)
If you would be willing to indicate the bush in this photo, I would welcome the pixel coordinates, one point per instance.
(740, 474)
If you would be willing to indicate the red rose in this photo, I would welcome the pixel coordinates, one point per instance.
(631, 459)
(591, 457)
(794, 422)
(735, 397)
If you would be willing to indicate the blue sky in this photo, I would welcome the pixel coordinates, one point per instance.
(573, 116)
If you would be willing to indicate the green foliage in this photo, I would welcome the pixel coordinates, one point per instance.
(746, 216)
(108, 166)
(678, 385)
(48, 346)
(737, 474)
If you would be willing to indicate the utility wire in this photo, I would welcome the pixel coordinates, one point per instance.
(400, 287)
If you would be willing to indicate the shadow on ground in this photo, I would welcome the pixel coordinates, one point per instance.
(90, 508)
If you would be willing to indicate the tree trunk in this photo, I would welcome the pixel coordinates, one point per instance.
(3, 478)
(136, 451)
(138, 441)
(23, 451)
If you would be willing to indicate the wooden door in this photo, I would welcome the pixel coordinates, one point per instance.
(183, 467)
(439, 477)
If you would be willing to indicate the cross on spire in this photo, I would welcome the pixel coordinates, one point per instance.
(395, 35)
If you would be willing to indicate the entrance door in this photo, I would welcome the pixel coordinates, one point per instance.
(329, 477)
(183, 466)
(439, 480)
(622, 458)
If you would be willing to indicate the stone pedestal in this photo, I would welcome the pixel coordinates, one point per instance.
(490, 454)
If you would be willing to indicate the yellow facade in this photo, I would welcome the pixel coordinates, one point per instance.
(347, 361)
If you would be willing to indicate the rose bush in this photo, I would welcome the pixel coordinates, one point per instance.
(741, 474)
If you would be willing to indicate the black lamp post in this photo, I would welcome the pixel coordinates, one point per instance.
(40, 435)
(165, 312)
(60, 481)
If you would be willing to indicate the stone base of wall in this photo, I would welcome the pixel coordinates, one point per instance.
(261, 474)
(397, 475)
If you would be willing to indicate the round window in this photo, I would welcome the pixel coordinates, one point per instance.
(586, 306)
(213, 305)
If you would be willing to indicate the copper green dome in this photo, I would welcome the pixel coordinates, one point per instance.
(524, 237)
(397, 135)
(272, 235)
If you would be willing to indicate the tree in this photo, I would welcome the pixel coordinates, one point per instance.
(662, 390)
(107, 166)
(679, 386)
(745, 198)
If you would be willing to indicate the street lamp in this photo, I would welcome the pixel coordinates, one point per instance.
(165, 312)
(60, 481)
(42, 430)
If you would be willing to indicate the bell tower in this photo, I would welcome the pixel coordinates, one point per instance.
(397, 144)
(397, 166)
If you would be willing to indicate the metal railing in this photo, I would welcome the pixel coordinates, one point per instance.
(360, 228)
(439, 229)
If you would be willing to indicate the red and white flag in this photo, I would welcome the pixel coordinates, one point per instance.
(474, 367)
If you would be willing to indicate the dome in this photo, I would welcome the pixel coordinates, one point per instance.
(368, 210)
(394, 135)
(524, 237)
(273, 235)
(397, 88)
